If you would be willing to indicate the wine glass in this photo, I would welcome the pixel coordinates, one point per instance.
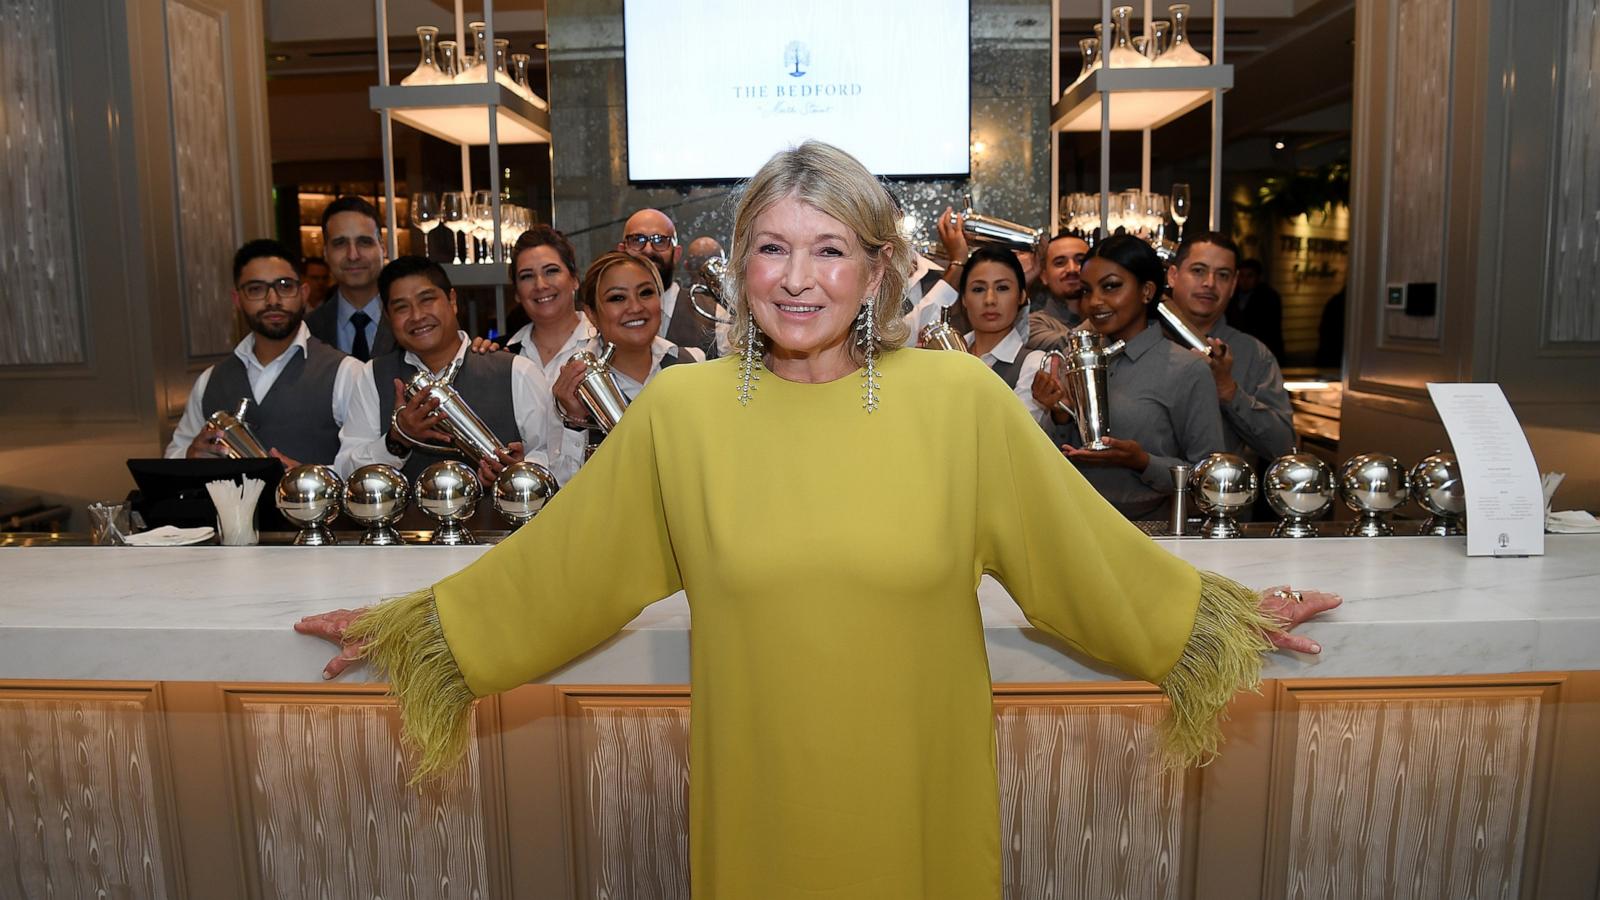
(483, 220)
(453, 212)
(425, 211)
(1180, 206)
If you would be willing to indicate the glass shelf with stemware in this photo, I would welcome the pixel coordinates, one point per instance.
(1129, 84)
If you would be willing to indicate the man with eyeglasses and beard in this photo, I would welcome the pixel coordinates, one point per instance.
(649, 234)
(299, 387)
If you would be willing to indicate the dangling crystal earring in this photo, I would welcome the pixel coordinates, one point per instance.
(750, 358)
(867, 335)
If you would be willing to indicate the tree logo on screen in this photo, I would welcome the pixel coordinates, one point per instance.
(796, 57)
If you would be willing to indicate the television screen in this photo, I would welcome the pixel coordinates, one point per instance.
(715, 87)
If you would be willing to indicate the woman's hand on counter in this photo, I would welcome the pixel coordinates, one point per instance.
(1291, 607)
(331, 626)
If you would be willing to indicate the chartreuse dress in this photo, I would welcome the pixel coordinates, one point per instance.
(842, 736)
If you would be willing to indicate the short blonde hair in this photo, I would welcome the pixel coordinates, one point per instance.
(589, 289)
(834, 183)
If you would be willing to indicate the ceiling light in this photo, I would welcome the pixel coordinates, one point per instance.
(1141, 98)
(1277, 145)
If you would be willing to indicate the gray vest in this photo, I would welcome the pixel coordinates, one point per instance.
(1009, 370)
(688, 328)
(484, 382)
(296, 416)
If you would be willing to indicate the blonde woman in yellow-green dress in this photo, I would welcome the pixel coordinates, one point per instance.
(828, 502)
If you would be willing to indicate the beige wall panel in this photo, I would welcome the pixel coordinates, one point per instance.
(80, 811)
(310, 766)
(1085, 810)
(629, 790)
(1419, 793)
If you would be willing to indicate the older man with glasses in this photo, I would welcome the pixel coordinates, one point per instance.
(649, 234)
(298, 387)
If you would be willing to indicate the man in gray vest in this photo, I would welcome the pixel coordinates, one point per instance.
(1256, 415)
(298, 387)
(648, 233)
(502, 388)
(351, 318)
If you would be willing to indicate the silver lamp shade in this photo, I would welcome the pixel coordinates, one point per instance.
(1437, 487)
(308, 496)
(448, 493)
(375, 498)
(1299, 488)
(1223, 485)
(522, 489)
(1374, 485)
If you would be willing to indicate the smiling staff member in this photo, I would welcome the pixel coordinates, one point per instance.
(622, 295)
(1161, 398)
(502, 388)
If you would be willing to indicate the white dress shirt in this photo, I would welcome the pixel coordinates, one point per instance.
(362, 439)
(581, 333)
(928, 310)
(669, 303)
(262, 378)
(1031, 364)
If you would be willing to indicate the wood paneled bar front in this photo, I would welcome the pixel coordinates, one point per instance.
(163, 734)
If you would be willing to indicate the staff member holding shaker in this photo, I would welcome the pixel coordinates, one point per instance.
(298, 386)
(1161, 399)
(622, 295)
(1255, 407)
(502, 388)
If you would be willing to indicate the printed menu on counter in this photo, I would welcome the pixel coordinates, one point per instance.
(1505, 502)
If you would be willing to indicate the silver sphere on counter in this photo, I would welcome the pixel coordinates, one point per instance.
(1299, 488)
(522, 489)
(448, 493)
(308, 496)
(1437, 487)
(1374, 485)
(1223, 485)
(375, 498)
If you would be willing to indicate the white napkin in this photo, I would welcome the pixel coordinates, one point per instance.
(1571, 521)
(170, 536)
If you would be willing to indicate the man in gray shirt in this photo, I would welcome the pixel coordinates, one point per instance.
(1256, 415)
(1062, 276)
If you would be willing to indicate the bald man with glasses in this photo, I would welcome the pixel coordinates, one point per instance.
(650, 235)
(298, 386)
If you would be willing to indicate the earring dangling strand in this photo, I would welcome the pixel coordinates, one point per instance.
(750, 359)
(869, 343)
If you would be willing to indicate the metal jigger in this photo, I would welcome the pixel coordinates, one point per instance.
(1299, 487)
(1180, 498)
(1437, 487)
(308, 496)
(375, 498)
(448, 493)
(1374, 485)
(522, 489)
(1223, 485)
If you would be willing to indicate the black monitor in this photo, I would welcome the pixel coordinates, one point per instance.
(173, 491)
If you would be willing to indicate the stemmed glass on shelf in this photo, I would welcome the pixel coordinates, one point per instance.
(483, 222)
(1180, 206)
(453, 212)
(425, 213)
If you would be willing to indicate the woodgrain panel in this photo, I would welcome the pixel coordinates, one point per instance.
(329, 811)
(1574, 300)
(1419, 794)
(1085, 810)
(206, 167)
(80, 811)
(629, 789)
(41, 320)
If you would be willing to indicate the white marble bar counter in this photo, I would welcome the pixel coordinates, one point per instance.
(1413, 606)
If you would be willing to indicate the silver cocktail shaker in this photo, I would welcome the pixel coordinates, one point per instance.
(235, 433)
(1083, 374)
(470, 435)
(598, 388)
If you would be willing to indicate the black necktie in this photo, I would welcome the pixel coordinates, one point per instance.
(359, 347)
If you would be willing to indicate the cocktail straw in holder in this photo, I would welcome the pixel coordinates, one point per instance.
(236, 510)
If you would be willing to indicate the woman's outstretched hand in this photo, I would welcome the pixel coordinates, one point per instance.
(1291, 607)
(332, 626)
